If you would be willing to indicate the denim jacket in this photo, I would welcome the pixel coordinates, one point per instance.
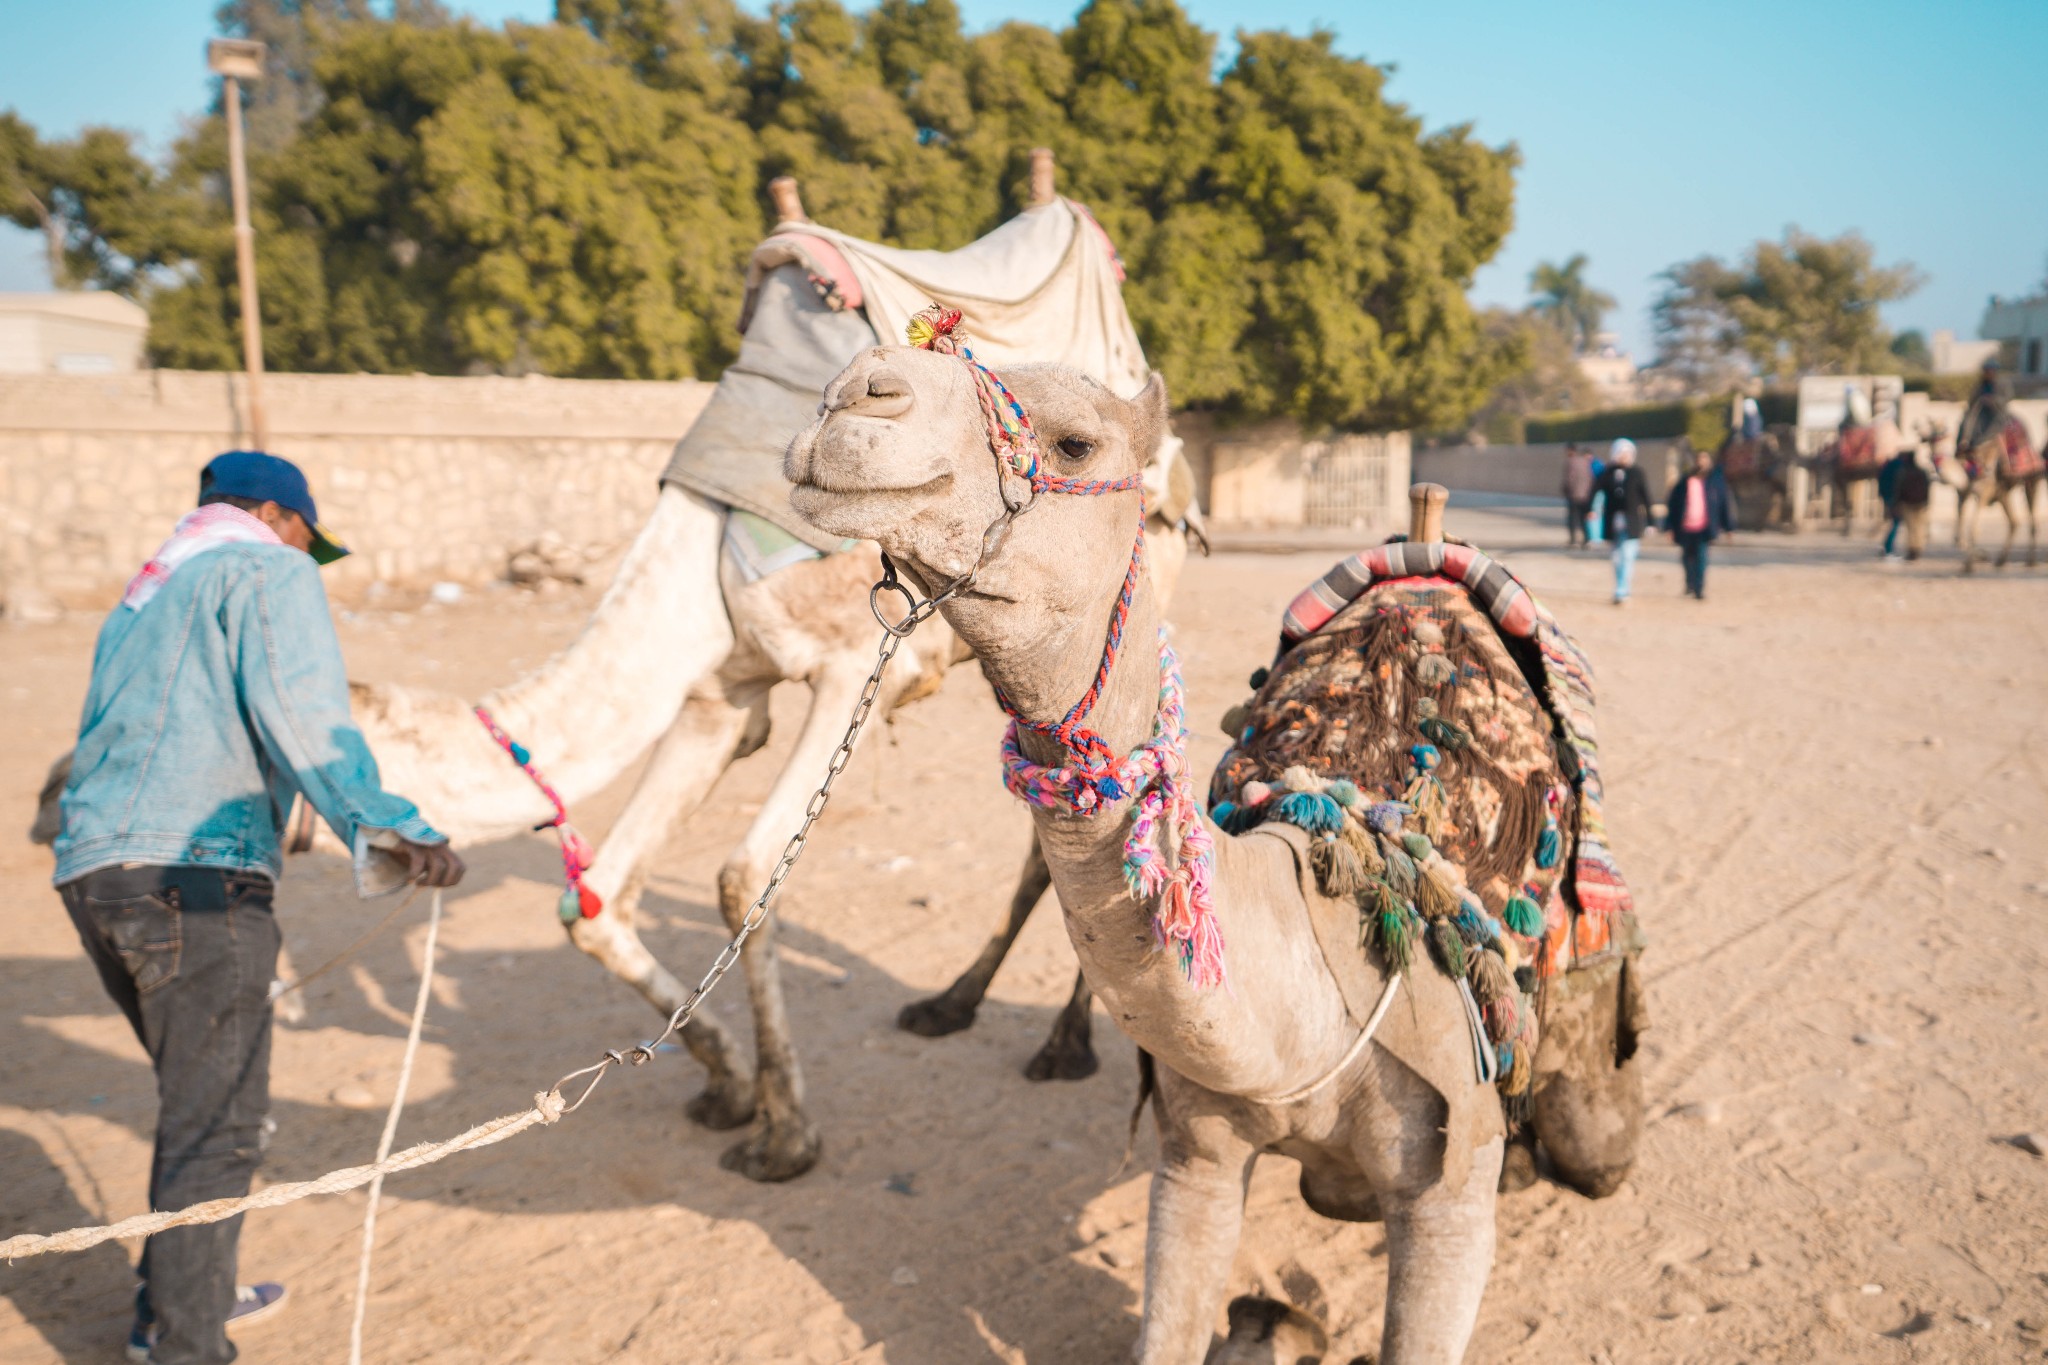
(209, 708)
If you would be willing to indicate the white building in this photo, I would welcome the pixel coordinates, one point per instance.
(80, 332)
(1951, 356)
(2022, 326)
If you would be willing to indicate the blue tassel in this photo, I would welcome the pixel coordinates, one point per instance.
(1242, 818)
(1221, 813)
(520, 755)
(1548, 845)
(1311, 811)
(1506, 1053)
(1523, 917)
(1111, 789)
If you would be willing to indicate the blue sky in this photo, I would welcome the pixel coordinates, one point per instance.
(1650, 133)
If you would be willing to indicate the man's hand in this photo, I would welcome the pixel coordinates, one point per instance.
(432, 864)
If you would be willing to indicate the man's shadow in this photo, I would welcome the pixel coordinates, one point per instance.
(79, 1302)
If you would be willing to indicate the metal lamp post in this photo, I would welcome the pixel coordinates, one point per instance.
(236, 60)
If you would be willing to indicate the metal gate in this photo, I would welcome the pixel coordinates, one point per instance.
(1355, 482)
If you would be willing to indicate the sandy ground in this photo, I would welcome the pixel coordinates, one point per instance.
(1827, 784)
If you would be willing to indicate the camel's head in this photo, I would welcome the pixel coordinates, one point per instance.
(900, 454)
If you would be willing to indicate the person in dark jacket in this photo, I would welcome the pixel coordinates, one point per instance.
(1698, 510)
(1577, 487)
(1627, 514)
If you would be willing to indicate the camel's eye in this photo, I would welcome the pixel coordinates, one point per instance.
(1076, 447)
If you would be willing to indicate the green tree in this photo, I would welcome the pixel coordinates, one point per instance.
(579, 197)
(1804, 305)
(1572, 305)
(1542, 374)
(1911, 350)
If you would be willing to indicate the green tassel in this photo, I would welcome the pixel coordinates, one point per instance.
(1400, 868)
(1523, 917)
(569, 908)
(1418, 846)
(1548, 845)
(1450, 949)
(1443, 733)
(1397, 939)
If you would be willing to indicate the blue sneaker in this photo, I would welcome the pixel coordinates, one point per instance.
(252, 1301)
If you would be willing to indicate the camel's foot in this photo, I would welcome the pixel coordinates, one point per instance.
(1268, 1332)
(936, 1017)
(1598, 1182)
(775, 1152)
(723, 1104)
(1068, 1055)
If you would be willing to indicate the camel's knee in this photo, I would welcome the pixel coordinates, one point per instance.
(1587, 1107)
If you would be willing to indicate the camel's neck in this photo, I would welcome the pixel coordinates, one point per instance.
(1279, 1018)
(600, 703)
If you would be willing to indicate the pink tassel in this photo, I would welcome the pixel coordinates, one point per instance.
(575, 849)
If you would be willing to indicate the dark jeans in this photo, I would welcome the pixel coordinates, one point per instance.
(1575, 514)
(1692, 549)
(188, 954)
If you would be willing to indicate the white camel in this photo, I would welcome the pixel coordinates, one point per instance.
(680, 656)
(1394, 1123)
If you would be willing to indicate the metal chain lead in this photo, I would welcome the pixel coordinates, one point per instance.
(893, 635)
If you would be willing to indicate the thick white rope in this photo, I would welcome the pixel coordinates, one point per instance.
(548, 1105)
(412, 1047)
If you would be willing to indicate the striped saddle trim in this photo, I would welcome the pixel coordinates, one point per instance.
(1495, 589)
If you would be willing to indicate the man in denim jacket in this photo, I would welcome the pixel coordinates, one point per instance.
(217, 695)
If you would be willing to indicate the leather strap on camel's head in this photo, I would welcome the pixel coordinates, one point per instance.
(937, 328)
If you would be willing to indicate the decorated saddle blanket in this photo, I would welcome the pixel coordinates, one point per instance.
(1430, 726)
(2022, 461)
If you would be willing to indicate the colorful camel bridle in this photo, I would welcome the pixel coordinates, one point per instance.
(1154, 776)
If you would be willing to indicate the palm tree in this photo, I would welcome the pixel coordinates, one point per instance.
(1572, 305)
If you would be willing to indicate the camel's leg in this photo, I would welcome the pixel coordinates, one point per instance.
(953, 1008)
(1438, 1206)
(1966, 530)
(1588, 1100)
(1068, 1054)
(1439, 1253)
(685, 764)
(784, 1143)
(1197, 1213)
(2012, 528)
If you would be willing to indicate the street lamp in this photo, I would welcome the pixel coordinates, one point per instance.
(236, 60)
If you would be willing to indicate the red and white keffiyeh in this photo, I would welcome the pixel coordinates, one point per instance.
(202, 529)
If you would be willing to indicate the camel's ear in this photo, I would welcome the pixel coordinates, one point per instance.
(1148, 417)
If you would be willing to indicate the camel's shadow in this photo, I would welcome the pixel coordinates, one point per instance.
(946, 1210)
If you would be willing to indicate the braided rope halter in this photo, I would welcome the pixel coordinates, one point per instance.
(1154, 776)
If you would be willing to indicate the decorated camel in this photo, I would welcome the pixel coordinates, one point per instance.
(722, 596)
(1414, 800)
(1998, 467)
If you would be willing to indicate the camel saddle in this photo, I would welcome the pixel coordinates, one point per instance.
(1044, 286)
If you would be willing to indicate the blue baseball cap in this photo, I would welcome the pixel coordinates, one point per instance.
(266, 478)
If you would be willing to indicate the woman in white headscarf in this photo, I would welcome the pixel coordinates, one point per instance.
(1626, 494)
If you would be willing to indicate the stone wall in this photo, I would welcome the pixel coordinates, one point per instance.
(425, 478)
(1270, 476)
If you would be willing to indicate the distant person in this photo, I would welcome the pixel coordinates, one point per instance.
(1577, 487)
(1626, 495)
(1595, 514)
(1698, 510)
(1888, 494)
(217, 695)
(1912, 490)
(1986, 412)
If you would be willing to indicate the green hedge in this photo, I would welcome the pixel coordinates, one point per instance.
(1704, 420)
